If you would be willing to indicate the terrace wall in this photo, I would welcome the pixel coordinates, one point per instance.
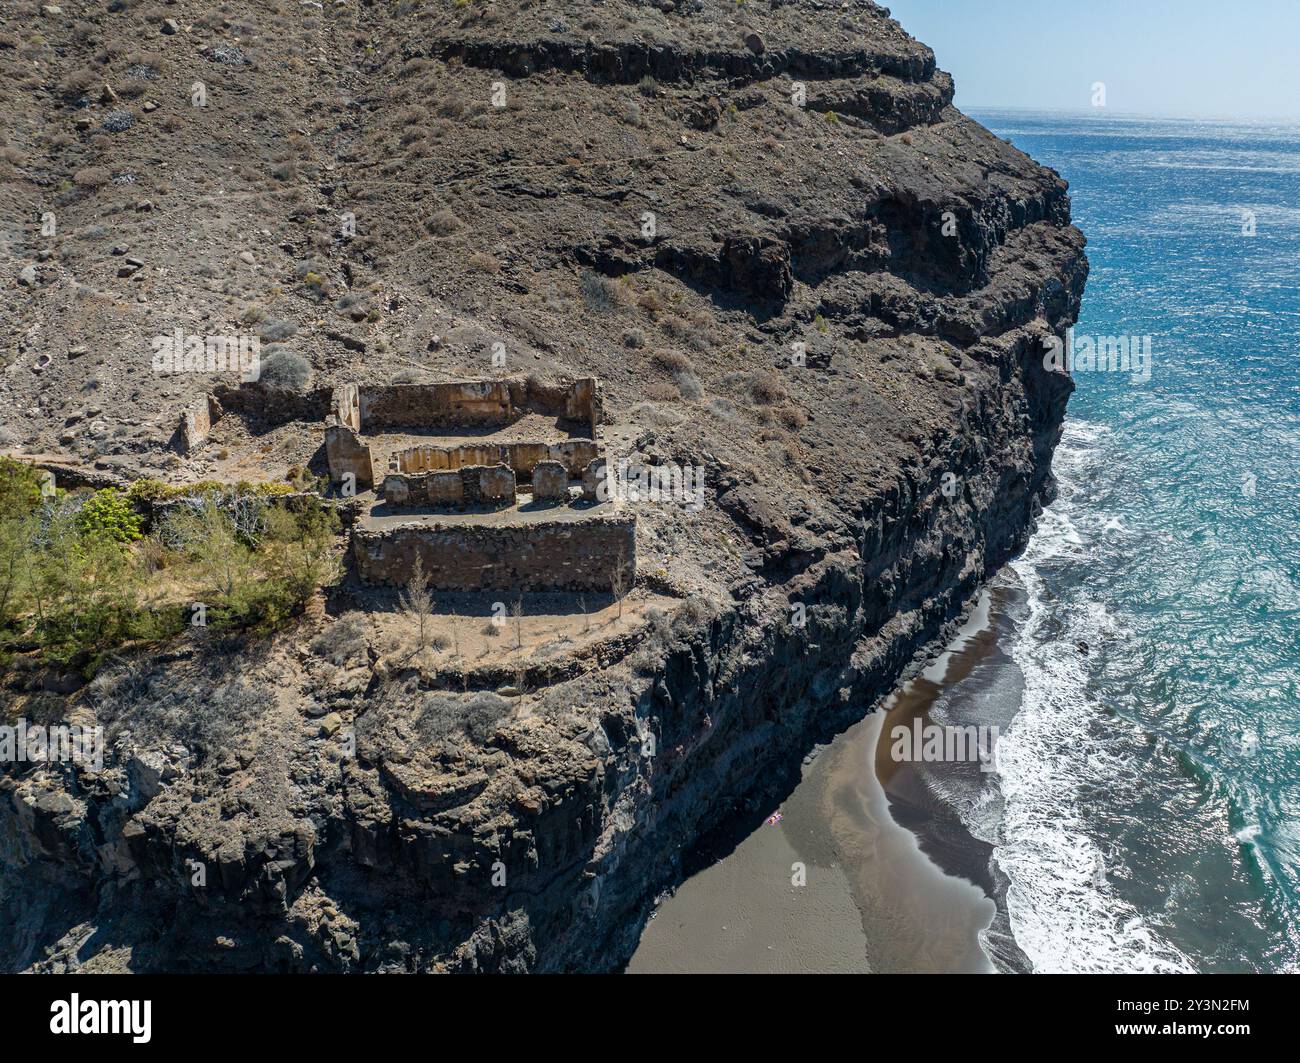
(538, 555)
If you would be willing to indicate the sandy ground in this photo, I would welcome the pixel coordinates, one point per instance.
(744, 915)
(465, 633)
(874, 901)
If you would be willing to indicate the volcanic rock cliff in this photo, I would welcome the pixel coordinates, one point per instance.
(764, 227)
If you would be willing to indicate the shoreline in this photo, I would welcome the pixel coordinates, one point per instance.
(894, 882)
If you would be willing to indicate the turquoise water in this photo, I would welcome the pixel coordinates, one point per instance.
(1150, 786)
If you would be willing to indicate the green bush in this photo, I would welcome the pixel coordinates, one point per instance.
(74, 580)
(83, 592)
(110, 513)
(20, 488)
(150, 492)
(258, 585)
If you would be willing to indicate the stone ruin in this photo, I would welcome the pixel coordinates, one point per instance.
(493, 484)
(446, 426)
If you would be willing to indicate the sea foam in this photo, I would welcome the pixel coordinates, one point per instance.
(1063, 912)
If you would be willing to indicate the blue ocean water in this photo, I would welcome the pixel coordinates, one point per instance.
(1150, 785)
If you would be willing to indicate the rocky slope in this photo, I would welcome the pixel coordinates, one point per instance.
(675, 197)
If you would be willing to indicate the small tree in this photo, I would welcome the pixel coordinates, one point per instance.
(618, 579)
(204, 530)
(300, 547)
(15, 548)
(417, 602)
(517, 611)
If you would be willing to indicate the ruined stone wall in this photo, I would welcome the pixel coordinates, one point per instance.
(468, 486)
(346, 453)
(550, 482)
(575, 400)
(196, 424)
(536, 556)
(574, 454)
(471, 404)
(270, 406)
(345, 405)
(356, 409)
(584, 402)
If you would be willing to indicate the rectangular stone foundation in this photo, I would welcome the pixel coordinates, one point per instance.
(535, 555)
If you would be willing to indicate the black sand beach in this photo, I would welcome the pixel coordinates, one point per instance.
(895, 882)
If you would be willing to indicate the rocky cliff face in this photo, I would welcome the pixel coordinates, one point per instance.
(766, 229)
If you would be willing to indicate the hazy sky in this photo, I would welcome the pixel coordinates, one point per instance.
(1239, 58)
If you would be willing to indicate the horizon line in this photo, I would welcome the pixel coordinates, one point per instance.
(1082, 112)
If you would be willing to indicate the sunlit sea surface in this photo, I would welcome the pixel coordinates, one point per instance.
(1150, 786)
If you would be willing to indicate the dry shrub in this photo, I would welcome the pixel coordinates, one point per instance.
(91, 178)
(650, 301)
(484, 262)
(766, 389)
(671, 361)
(689, 386)
(443, 223)
(603, 293)
(661, 391)
(793, 417)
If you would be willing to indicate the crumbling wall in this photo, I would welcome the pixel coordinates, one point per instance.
(593, 476)
(470, 403)
(596, 554)
(466, 404)
(345, 405)
(354, 409)
(584, 402)
(489, 485)
(347, 454)
(573, 454)
(197, 420)
(471, 485)
(444, 488)
(575, 400)
(271, 406)
(550, 482)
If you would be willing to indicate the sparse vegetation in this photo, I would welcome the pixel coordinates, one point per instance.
(443, 223)
(671, 361)
(766, 389)
(341, 642)
(417, 604)
(688, 385)
(442, 716)
(602, 293)
(484, 262)
(287, 370)
(79, 578)
(91, 178)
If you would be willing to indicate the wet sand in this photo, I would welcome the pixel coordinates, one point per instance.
(743, 914)
(893, 882)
